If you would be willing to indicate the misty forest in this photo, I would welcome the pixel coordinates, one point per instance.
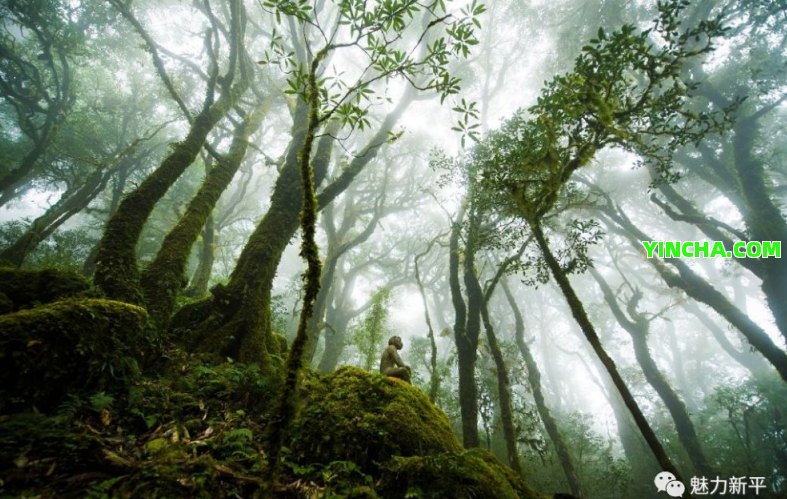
(393, 248)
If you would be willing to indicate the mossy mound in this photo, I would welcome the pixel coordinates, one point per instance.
(27, 288)
(198, 430)
(352, 415)
(67, 346)
(466, 474)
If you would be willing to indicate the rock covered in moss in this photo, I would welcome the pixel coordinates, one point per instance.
(465, 474)
(47, 351)
(27, 288)
(391, 431)
(352, 415)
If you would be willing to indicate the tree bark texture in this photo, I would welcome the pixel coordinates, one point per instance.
(165, 277)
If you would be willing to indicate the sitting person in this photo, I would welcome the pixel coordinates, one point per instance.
(391, 364)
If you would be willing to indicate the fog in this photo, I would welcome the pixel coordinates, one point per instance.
(481, 177)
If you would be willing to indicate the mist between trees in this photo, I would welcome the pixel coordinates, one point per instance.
(209, 209)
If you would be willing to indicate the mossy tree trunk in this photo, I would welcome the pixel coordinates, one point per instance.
(118, 186)
(310, 252)
(503, 381)
(638, 327)
(238, 322)
(466, 345)
(116, 267)
(534, 380)
(165, 277)
(578, 311)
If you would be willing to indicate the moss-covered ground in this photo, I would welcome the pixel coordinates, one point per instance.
(93, 405)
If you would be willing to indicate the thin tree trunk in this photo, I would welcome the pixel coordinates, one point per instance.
(638, 327)
(434, 375)
(578, 311)
(503, 382)
(534, 379)
(697, 288)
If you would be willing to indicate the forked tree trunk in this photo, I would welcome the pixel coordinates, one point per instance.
(116, 267)
(638, 327)
(238, 321)
(165, 277)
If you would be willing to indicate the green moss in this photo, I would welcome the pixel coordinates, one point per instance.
(27, 288)
(467, 474)
(352, 415)
(87, 344)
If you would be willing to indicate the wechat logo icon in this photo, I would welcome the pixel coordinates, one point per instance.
(666, 482)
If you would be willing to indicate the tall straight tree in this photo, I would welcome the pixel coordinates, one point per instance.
(529, 161)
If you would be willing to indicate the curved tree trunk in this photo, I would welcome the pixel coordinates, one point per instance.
(165, 277)
(534, 379)
(237, 323)
(578, 311)
(638, 327)
(116, 266)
